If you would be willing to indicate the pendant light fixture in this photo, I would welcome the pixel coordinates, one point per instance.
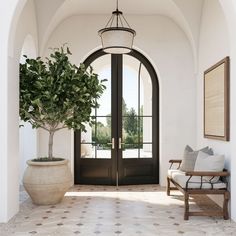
(117, 36)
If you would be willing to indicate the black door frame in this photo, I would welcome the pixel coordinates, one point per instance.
(116, 59)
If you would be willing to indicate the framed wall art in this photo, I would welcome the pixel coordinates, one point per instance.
(216, 101)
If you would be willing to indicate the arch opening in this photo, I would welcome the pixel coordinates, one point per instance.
(126, 126)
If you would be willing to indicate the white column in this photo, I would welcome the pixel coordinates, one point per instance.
(9, 140)
(13, 157)
(9, 153)
(3, 125)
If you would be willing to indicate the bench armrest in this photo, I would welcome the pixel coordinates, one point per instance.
(207, 173)
(175, 161)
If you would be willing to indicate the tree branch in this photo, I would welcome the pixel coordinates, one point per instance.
(63, 127)
(41, 124)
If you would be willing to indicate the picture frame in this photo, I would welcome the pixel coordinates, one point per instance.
(216, 101)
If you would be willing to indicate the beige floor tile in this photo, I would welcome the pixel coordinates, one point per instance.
(105, 210)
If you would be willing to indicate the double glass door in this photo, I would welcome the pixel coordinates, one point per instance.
(122, 146)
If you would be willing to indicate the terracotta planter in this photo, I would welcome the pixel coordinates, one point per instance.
(47, 182)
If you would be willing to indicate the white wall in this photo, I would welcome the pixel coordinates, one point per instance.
(6, 12)
(61, 144)
(165, 44)
(229, 8)
(9, 92)
(9, 58)
(213, 46)
(25, 43)
(26, 25)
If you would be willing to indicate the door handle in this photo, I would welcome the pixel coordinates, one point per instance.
(120, 143)
(112, 143)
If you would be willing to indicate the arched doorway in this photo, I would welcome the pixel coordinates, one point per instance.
(122, 147)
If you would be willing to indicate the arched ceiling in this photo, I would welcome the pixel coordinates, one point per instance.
(186, 13)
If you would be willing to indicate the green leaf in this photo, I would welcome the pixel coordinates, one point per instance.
(54, 90)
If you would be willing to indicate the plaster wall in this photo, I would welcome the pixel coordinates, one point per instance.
(169, 51)
(191, 10)
(25, 43)
(213, 46)
(6, 12)
(229, 9)
(9, 94)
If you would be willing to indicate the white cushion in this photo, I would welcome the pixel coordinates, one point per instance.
(171, 171)
(194, 182)
(190, 157)
(205, 162)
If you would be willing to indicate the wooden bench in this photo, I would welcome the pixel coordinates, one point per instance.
(203, 187)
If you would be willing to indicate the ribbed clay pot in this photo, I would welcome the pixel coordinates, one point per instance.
(47, 182)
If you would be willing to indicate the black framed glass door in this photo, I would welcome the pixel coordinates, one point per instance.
(122, 147)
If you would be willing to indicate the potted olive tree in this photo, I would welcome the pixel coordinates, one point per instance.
(55, 94)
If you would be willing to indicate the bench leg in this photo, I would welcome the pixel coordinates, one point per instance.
(168, 187)
(186, 203)
(225, 205)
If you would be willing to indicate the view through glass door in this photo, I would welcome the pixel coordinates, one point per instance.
(122, 146)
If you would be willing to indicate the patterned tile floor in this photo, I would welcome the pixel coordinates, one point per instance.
(104, 210)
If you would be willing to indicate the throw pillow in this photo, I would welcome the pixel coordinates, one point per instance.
(205, 162)
(190, 157)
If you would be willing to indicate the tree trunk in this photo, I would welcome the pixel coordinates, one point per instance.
(50, 144)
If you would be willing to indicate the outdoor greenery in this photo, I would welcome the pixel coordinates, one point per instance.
(132, 129)
(103, 134)
(56, 94)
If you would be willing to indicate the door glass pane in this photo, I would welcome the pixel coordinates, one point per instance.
(146, 151)
(130, 107)
(136, 110)
(94, 142)
(103, 133)
(102, 67)
(146, 129)
(130, 85)
(130, 129)
(87, 150)
(145, 93)
(103, 151)
(87, 137)
(130, 150)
